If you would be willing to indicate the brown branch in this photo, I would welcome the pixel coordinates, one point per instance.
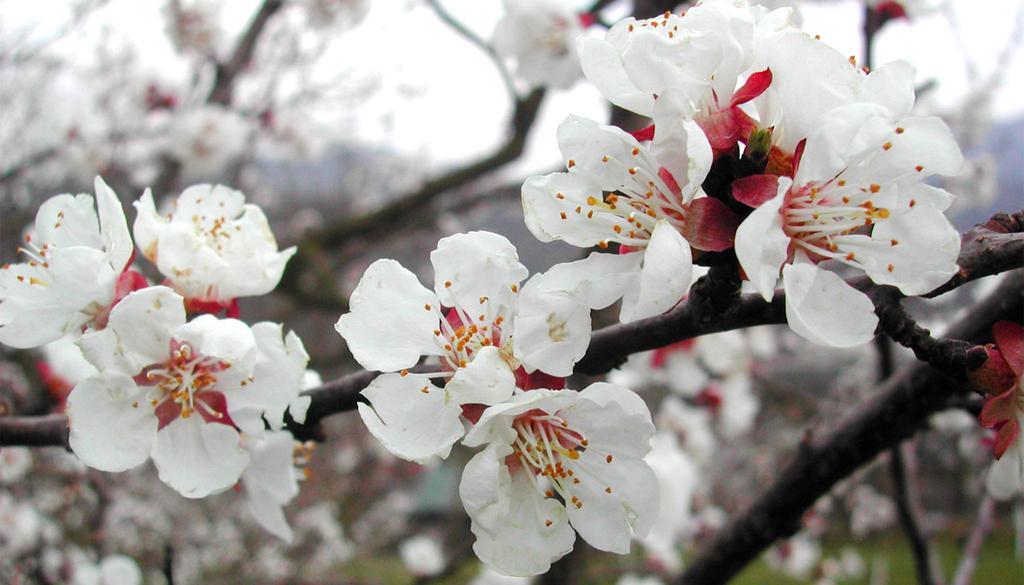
(703, 313)
(226, 72)
(900, 407)
(34, 431)
(405, 209)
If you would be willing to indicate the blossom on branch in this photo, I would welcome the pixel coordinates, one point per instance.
(554, 461)
(179, 392)
(646, 198)
(395, 321)
(213, 247)
(858, 197)
(76, 269)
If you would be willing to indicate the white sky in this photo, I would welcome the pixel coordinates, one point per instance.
(440, 97)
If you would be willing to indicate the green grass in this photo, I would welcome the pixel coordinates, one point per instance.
(996, 564)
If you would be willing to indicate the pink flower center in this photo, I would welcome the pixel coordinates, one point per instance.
(185, 384)
(547, 447)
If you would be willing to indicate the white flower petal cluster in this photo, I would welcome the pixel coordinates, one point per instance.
(180, 392)
(844, 179)
(78, 252)
(858, 197)
(477, 324)
(213, 247)
(501, 352)
(558, 462)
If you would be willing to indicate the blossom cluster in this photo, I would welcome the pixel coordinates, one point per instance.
(157, 374)
(767, 155)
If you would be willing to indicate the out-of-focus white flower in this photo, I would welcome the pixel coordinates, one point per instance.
(539, 36)
(692, 425)
(22, 527)
(15, 462)
(193, 25)
(422, 555)
(631, 579)
(861, 170)
(179, 392)
(207, 139)
(953, 420)
(795, 557)
(678, 479)
(325, 13)
(75, 260)
(112, 570)
(319, 523)
(394, 321)
(870, 511)
(587, 447)
(213, 247)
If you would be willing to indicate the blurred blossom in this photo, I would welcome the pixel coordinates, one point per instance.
(112, 570)
(15, 463)
(870, 511)
(539, 37)
(207, 139)
(796, 557)
(422, 555)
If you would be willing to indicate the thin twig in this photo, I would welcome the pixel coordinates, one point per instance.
(982, 526)
(908, 509)
(483, 45)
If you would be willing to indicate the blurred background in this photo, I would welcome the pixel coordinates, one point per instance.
(371, 129)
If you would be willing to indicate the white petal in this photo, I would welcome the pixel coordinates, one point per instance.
(276, 380)
(143, 322)
(664, 277)
(112, 425)
(603, 394)
(552, 328)
(270, 482)
(761, 245)
(68, 220)
(597, 281)
(602, 65)
(487, 379)
(39, 305)
(473, 266)
(113, 226)
(390, 325)
(148, 226)
(679, 144)
(229, 340)
(925, 257)
(410, 423)
(546, 199)
(197, 458)
(1006, 476)
(518, 531)
(823, 309)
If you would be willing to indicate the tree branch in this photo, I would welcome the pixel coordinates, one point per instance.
(901, 406)
(472, 37)
(406, 208)
(982, 526)
(610, 346)
(226, 72)
(908, 509)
